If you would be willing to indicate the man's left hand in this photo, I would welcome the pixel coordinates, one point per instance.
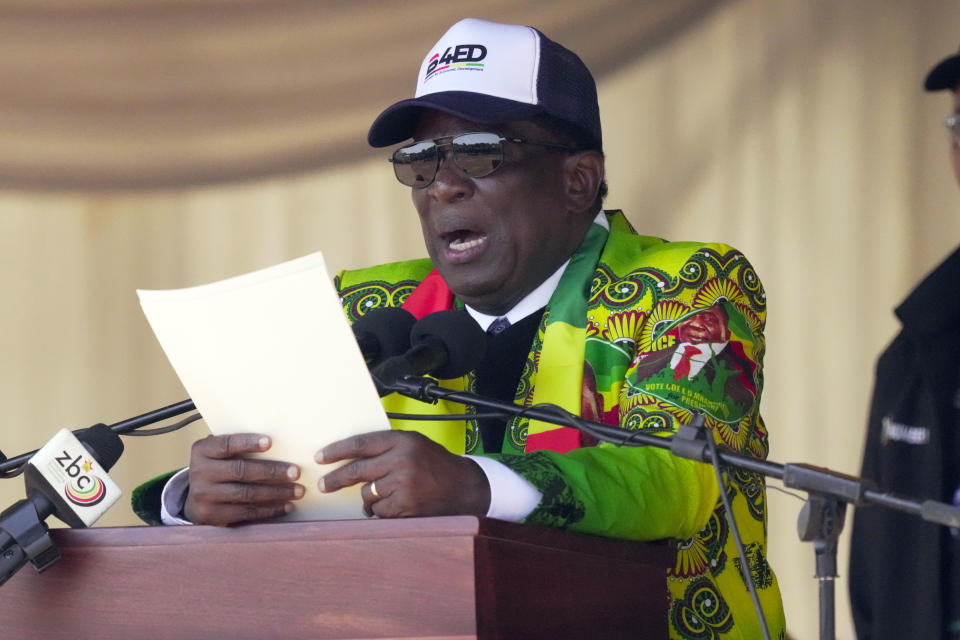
(413, 475)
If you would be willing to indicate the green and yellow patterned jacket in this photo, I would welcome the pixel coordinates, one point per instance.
(639, 333)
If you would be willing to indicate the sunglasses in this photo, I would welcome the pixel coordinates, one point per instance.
(476, 154)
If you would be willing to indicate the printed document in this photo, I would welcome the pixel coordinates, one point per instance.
(272, 352)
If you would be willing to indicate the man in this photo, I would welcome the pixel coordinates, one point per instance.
(905, 573)
(506, 172)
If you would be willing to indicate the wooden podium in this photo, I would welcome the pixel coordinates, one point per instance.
(449, 577)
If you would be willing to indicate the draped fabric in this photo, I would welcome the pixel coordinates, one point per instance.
(107, 94)
(794, 130)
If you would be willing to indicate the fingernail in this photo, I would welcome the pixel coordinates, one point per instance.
(322, 486)
(293, 472)
(288, 507)
(318, 457)
(299, 490)
(264, 442)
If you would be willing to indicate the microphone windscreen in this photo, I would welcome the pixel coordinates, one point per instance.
(461, 336)
(383, 332)
(103, 443)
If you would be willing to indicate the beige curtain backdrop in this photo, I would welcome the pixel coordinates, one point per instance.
(168, 143)
(106, 94)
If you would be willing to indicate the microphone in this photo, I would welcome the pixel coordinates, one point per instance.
(67, 478)
(445, 344)
(383, 333)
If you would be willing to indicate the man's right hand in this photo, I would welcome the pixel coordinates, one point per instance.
(226, 487)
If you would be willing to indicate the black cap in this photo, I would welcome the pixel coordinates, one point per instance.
(492, 73)
(945, 75)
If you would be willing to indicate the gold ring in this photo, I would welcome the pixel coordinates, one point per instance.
(373, 489)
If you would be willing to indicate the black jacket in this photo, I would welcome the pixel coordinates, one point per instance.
(905, 573)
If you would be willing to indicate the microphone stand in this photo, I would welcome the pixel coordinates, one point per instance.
(820, 521)
(124, 426)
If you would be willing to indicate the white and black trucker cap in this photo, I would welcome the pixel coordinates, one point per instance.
(491, 73)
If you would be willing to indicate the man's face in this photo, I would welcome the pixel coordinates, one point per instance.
(710, 325)
(954, 146)
(495, 239)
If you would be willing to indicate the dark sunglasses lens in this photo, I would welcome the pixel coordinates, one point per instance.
(416, 165)
(478, 154)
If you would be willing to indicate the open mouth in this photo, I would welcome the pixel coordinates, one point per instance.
(464, 246)
(464, 240)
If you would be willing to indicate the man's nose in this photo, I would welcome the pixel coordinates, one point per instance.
(451, 183)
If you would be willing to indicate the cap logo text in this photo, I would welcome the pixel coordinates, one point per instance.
(461, 56)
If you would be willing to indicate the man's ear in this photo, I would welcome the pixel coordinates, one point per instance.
(584, 174)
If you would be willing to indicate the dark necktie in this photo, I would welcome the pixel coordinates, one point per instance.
(497, 326)
(498, 375)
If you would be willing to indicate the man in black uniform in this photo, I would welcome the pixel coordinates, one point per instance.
(905, 573)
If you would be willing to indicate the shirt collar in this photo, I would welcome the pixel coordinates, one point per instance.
(930, 308)
(536, 299)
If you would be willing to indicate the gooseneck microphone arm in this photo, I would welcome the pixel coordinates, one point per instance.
(800, 476)
(151, 417)
(820, 520)
(122, 427)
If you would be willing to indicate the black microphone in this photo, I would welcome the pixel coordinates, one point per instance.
(66, 478)
(383, 333)
(445, 344)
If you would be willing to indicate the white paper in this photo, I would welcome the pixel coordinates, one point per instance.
(272, 352)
